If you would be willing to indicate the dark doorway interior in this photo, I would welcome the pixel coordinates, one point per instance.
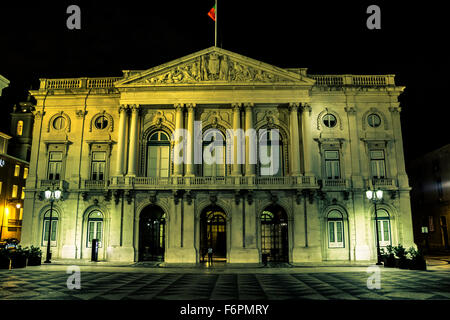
(213, 234)
(274, 234)
(152, 227)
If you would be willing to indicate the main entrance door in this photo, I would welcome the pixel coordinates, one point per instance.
(274, 234)
(152, 225)
(213, 234)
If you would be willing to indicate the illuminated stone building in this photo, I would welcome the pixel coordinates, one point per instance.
(107, 142)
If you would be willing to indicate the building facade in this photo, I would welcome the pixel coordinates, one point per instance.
(430, 198)
(13, 175)
(109, 144)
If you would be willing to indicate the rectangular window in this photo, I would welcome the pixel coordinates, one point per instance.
(98, 165)
(25, 173)
(1, 185)
(336, 234)
(377, 164)
(53, 232)
(158, 161)
(430, 223)
(94, 232)
(384, 232)
(54, 165)
(14, 191)
(16, 170)
(22, 196)
(332, 165)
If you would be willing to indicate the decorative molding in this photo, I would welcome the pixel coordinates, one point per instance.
(213, 67)
(109, 127)
(334, 113)
(80, 114)
(350, 110)
(59, 114)
(378, 113)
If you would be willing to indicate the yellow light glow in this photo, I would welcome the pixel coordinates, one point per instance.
(18, 206)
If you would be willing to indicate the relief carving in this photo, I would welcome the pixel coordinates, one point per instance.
(212, 67)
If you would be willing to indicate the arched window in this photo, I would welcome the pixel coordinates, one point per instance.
(335, 229)
(19, 128)
(214, 153)
(53, 229)
(158, 155)
(270, 155)
(95, 228)
(384, 227)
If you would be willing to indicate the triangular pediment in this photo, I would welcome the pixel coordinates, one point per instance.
(214, 66)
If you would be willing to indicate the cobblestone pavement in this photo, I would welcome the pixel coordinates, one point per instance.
(49, 282)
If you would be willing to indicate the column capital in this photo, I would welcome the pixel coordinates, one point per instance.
(236, 105)
(395, 109)
(135, 108)
(306, 107)
(123, 107)
(293, 106)
(178, 106)
(249, 105)
(190, 106)
(350, 110)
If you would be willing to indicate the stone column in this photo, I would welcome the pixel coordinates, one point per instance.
(306, 138)
(178, 167)
(134, 139)
(357, 180)
(236, 167)
(121, 140)
(295, 140)
(190, 144)
(398, 143)
(250, 144)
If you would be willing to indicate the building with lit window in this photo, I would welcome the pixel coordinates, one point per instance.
(13, 174)
(109, 144)
(430, 198)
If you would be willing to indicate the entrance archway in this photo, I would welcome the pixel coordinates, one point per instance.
(213, 225)
(152, 234)
(274, 234)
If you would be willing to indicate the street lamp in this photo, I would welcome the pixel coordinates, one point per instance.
(51, 195)
(376, 196)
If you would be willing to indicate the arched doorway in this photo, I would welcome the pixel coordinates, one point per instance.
(274, 234)
(213, 225)
(152, 235)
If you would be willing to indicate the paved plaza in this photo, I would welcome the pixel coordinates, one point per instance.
(49, 282)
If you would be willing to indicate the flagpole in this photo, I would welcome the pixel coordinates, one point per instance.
(215, 26)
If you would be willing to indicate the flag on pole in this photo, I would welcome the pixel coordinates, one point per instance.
(212, 13)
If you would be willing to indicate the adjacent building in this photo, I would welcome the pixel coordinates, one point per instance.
(110, 143)
(430, 198)
(13, 174)
(3, 83)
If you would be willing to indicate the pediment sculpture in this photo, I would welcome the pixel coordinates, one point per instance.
(212, 67)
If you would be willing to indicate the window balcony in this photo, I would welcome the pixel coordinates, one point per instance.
(222, 183)
(335, 184)
(383, 183)
(61, 184)
(95, 184)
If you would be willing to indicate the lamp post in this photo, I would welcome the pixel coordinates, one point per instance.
(51, 195)
(376, 196)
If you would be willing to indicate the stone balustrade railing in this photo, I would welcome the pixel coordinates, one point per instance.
(354, 80)
(78, 83)
(384, 183)
(213, 182)
(335, 183)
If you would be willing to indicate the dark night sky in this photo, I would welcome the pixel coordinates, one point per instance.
(326, 37)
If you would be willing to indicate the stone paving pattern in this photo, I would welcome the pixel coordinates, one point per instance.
(27, 284)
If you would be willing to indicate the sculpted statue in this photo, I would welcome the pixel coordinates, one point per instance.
(223, 74)
(213, 65)
(204, 68)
